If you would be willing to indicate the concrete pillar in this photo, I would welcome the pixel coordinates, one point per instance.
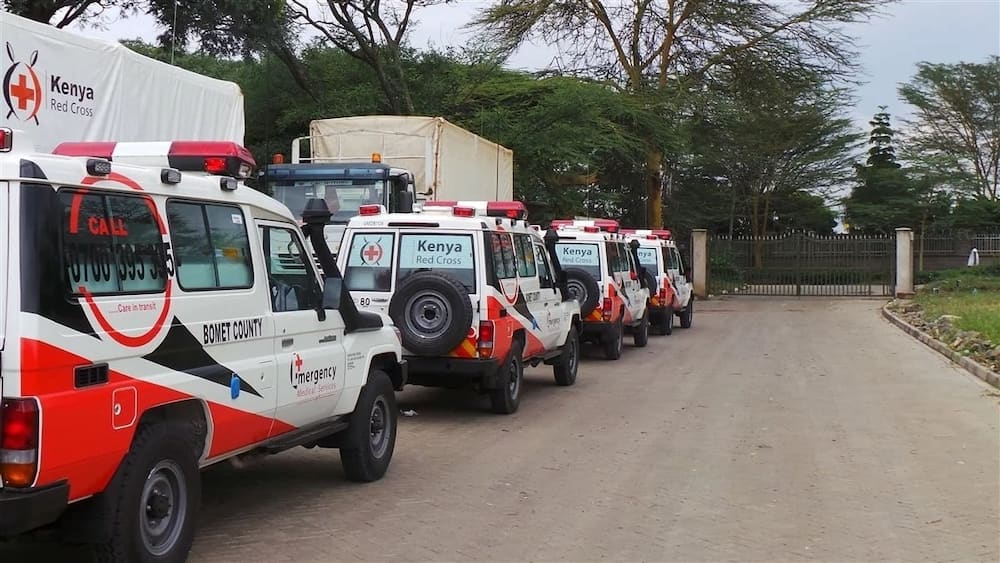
(699, 262)
(904, 262)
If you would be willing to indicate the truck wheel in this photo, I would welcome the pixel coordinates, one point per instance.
(614, 342)
(640, 335)
(584, 287)
(433, 313)
(507, 396)
(687, 314)
(154, 498)
(371, 436)
(666, 327)
(565, 370)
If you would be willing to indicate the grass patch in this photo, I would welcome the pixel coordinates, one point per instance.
(972, 294)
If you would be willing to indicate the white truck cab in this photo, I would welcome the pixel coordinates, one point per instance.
(157, 316)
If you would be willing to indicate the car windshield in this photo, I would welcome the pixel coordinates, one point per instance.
(582, 255)
(343, 197)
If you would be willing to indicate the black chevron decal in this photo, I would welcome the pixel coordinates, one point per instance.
(181, 351)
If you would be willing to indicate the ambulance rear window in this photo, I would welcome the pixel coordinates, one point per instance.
(585, 256)
(647, 256)
(369, 262)
(111, 244)
(448, 253)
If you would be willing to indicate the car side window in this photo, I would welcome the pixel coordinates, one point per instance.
(525, 256)
(612, 252)
(544, 271)
(289, 270)
(678, 260)
(504, 265)
(211, 246)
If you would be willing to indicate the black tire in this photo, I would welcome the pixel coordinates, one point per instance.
(666, 326)
(640, 334)
(507, 396)
(569, 362)
(152, 502)
(584, 287)
(687, 314)
(433, 313)
(614, 342)
(371, 437)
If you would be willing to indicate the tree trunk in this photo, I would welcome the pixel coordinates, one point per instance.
(654, 191)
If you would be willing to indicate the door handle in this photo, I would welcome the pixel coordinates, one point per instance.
(328, 338)
(286, 342)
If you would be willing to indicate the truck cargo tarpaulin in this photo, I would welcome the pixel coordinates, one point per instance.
(451, 162)
(59, 86)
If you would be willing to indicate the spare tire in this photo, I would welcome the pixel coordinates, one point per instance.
(433, 313)
(584, 287)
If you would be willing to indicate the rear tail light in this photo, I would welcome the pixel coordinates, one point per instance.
(606, 310)
(663, 295)
(18, 442)
(370, 209)
(485, 339)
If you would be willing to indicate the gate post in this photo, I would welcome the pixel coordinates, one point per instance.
(904, 262)
(699, 259)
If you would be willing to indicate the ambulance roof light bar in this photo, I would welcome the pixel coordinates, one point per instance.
(223, 158)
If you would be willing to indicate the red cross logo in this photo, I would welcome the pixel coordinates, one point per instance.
(372, 253)
(21, 92)
(298, 362)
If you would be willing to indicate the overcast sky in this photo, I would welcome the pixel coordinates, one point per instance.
(940, 31)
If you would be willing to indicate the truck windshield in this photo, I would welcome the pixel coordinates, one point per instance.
(344, 197)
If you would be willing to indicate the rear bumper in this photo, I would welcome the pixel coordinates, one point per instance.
(22, 510)
(598, 328)
(452, 372)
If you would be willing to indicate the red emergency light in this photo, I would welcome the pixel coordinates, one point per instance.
(510, 209)
(609, 225)
(373, 209)
(662, 233)
(224, 158)
(463, 211)
(6, 139)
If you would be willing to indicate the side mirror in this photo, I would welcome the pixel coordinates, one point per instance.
(405, 202)
(332, 290)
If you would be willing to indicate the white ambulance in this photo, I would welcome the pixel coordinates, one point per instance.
(158, 318)
(473, 290)
(603, 271)
(673, 293)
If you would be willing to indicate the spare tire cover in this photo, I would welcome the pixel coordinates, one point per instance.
(433, 313)
(584, 287)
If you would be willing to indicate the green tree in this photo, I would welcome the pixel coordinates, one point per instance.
(655, 50)
(61, 13)
(956, 127)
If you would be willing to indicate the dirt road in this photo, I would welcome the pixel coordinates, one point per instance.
(771, 430)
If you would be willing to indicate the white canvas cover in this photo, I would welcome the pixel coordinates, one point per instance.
(59, 87)
(457, 164)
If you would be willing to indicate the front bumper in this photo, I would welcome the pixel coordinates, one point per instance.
(23, 510)
(452, 372)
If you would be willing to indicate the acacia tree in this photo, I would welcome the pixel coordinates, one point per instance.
(774, 138)
(372, 32)
(956, 128)
(651, 48)
(61, 13)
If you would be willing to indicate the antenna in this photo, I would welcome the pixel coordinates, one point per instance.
(173, 34)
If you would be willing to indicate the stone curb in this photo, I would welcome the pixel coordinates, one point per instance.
(975, 368)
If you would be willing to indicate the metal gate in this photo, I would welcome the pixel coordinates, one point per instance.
(800, 263)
